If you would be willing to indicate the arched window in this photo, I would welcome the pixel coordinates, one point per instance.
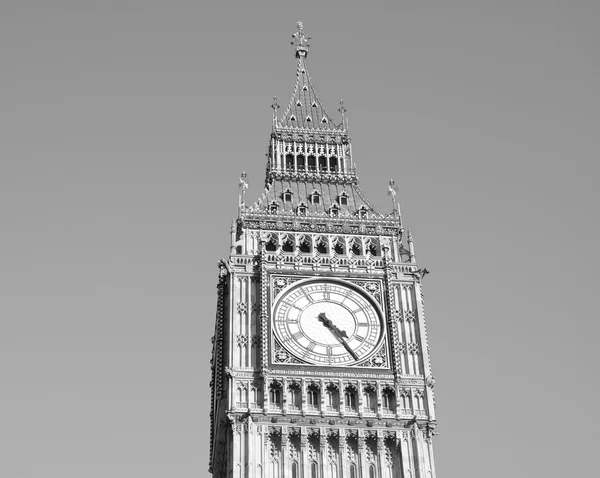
(353, 471)
(333, 163)
(362, 212)
(288, 245)
(294, 469)
(406, 408)
(388, 404)
(304, 246)
(254, 397)
(301, 209)
(273, 208)
(289, 161)
(334, 211)
(314, 471)
(356, 250)
(372, 471)
(343, 199)
(350, 399)
(338, 247)
(271, 244)
(373, 248)
(322, 246)
(315, 197)
(312, 163)
(287, 196)
(295, 400)
(332, 400)
(370, 399)
(242, 398)
(275, 395)
(312, 398)
(322, 163)
(300, 162)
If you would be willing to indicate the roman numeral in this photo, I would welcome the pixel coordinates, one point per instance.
(311, 346)
(297, 335)
(360, 338)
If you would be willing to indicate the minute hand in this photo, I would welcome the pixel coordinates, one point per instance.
(338, 333)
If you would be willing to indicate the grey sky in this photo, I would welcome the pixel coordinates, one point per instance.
(123, 129)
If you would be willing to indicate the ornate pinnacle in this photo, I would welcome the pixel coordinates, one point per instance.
(300, 41)
(342, 109)
(275, 107)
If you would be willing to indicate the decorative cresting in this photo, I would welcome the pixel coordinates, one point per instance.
(320, 363)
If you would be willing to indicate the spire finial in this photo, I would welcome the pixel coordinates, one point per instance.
(300, 41)
(243, 184)
(342, 109)
(275, 107)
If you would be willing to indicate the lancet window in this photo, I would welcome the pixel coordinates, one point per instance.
(242, 397)
(294, 397)
(313, 399)
(369, 399)
(333, 164)
(289, 161)
(332, 398)
(405, 405)
(419, 403)
(388, 400)
(322, 163)
(350, 399)
(275, 395)
(255, 396)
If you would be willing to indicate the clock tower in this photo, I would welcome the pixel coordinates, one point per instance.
(320, 363)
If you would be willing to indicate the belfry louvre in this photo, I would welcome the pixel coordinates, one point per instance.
(320, 364)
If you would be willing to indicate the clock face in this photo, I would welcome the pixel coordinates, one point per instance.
(327, 323)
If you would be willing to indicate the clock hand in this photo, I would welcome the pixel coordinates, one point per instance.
(339, 334)
(329, 324)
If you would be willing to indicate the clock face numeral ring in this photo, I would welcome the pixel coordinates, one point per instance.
(326, 322)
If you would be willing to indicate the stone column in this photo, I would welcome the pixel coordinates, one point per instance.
(344, 470)
(305, 471)
(362, 459)
(380, 454)
(285, 465)
(323, 453)
(322, 397)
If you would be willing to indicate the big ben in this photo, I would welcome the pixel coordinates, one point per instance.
(320, 363)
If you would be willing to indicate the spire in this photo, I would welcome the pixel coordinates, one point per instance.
(305, 110)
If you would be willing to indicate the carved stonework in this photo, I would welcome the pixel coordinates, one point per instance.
(318, 384)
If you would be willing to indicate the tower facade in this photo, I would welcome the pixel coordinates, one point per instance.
(320, 363)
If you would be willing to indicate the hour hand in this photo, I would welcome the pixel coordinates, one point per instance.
(330, 325)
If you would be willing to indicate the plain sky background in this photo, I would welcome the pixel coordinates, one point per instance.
(124, 126)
